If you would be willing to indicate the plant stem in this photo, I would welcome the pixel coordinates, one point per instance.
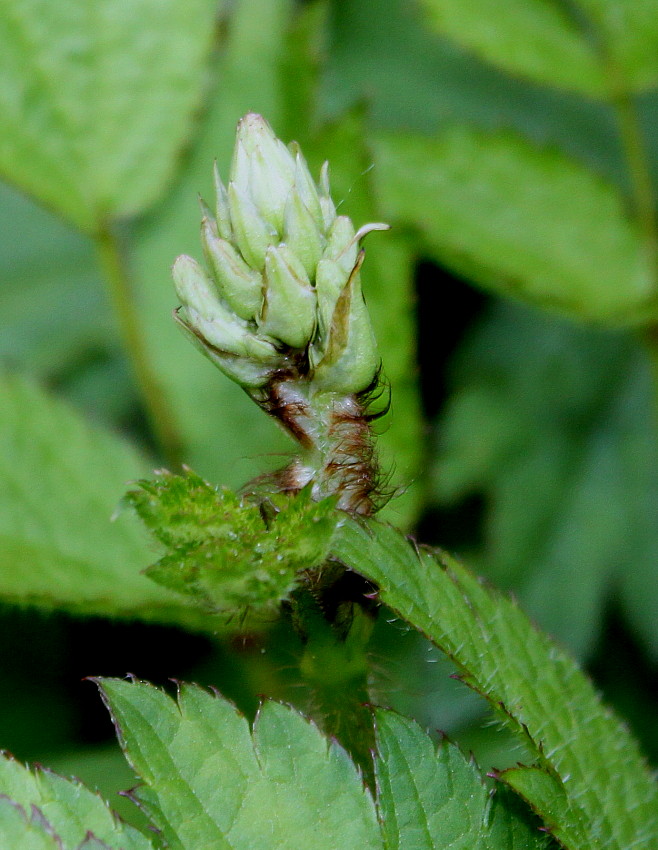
(639, 173)
(334, 432)
(335, 666)
(644, 201)
(161, 417)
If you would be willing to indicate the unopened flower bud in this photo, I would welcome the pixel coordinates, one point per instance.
(289, 312)
(350, 360)
(283, 293)
(239, 285)
(302, 234)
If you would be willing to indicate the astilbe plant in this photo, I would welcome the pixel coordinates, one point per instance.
(279, 309)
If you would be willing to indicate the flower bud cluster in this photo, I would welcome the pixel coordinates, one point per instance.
(281, 290)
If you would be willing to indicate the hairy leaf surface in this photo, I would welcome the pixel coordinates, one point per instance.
(537, 690)
(211, 781)
(433, 797)
(228, 552)
(27, 831)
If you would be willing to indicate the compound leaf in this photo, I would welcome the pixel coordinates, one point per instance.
(229, 552)
(538, 691)
(211, 781)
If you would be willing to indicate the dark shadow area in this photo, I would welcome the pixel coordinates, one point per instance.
(447, 307)
(628, 680)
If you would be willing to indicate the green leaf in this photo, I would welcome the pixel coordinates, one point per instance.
(393, 62)
(435, 798)
(210, 781)
(69, 810)
(61, 482)
(229, 552)
(588, 47)
(98, 100)
(536, 690)
(548, 795)
(19, 830)
(53, 309)
(552, 424)
(522, 220)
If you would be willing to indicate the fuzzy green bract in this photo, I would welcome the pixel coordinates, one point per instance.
(43, 810)
(594, 788)
(227, 551)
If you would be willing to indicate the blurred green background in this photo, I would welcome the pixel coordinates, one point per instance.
(513, 150)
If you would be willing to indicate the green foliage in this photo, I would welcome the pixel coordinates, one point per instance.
(513, 145)
(284, 786)
(554, 425)
(538, 39)
(228, 552)
(536, 690)
(210, 782)
(97, 102)
(46, 810)
(435, 798)
(62, 482)
(591, 46)
(515, 217)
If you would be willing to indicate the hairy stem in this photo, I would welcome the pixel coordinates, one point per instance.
(334, 432)
(160, 415)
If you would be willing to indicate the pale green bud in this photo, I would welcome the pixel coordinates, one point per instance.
(306, 189)
(289, 311)
(283, 295)
(253, 234)
(302, 234)
(350, 360)
(215, 323)
(263, 169)
(240, 286)
(222, 210)
(342, 246)
(329, 283)
(326, 202)
(244, 371)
